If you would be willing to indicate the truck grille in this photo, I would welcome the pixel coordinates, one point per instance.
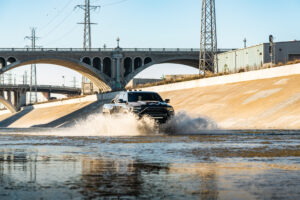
(155, 112)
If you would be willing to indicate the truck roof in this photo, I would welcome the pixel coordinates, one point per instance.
(140, 92)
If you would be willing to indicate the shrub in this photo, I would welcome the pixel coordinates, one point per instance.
(241, 70)
(279, 64)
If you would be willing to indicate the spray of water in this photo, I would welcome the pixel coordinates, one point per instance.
(114, 125)
(129, 125)
(183, 123)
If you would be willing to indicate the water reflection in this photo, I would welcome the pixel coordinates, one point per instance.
(15, 166)
(150, 169)
(108, 178)
(22, 170)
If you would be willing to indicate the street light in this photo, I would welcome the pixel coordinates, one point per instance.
(118, 42)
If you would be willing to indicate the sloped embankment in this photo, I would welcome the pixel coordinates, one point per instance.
(272, 103)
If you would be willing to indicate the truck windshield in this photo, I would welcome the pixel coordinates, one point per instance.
(143, 96)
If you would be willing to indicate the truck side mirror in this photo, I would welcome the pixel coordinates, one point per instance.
(121, 101)
(167, 100)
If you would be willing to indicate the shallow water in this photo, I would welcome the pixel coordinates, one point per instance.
(208, 165)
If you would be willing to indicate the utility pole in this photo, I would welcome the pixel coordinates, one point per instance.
(245, 43)
(208, 41)
(33, 78)
(87, 34)
(271, 49)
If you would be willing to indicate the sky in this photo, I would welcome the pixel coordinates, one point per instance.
(144, 24)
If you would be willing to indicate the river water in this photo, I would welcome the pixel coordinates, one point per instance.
(210, 164)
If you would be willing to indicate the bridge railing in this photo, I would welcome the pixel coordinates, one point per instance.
(39, 86)
(105, 49)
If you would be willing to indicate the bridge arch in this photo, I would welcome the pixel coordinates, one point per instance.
(107, 65)
(2, 62)
(102, 81)
(8, 105)
(147, 60)
(137, 63)
(86, 60)
(11, 60)
(97, 63)
(184, 60)
(127, 66)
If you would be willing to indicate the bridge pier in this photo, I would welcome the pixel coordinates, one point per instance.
(15, 98)
(9, 96)
(47, 95)
(132, 66)
(19, 98)
(117, 66)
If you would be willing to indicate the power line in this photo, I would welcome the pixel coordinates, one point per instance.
(58, 25)
(63, 35)
(86, 38)
(56, 16)
(113, 3)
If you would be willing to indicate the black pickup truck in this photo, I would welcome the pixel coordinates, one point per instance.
(140, 103)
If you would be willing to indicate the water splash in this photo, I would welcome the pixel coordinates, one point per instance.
(114, 125)
(128, 125)
(183, 123)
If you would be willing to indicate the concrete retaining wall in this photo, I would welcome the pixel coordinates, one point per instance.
(232, 78)
(90, 98)
(2, 112)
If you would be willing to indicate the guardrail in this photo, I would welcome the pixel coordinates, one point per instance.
(105, 49)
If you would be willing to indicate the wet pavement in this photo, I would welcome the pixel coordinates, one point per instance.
(224, 165)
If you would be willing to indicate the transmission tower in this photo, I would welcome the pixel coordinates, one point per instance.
(33, 78)
(208, 40)
(87, 34)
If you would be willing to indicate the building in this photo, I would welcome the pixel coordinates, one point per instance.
(256, 57)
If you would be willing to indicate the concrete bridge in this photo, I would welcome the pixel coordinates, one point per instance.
(70, 91)
(14, 96)
(108, 68)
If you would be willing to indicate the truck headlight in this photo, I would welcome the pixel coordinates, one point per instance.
(170, 109)
(137, 108)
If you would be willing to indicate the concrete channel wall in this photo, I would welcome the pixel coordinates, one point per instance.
(232, 78)
(91, 98)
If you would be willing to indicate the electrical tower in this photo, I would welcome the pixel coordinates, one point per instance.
(87, 34)
(208, 40)
(33, 78)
